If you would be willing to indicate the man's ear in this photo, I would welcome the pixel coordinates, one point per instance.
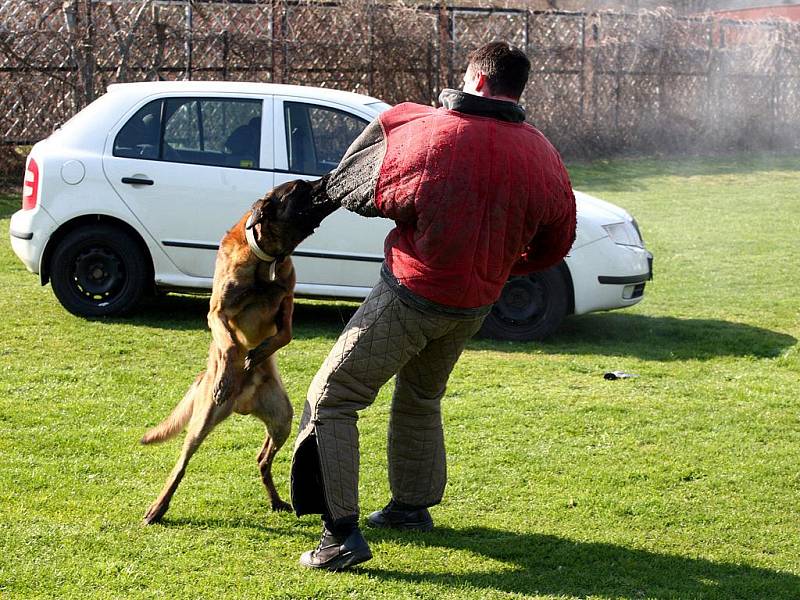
(481, 82)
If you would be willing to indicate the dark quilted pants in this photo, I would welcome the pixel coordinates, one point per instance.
(385, 337)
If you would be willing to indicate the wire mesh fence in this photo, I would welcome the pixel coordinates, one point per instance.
(601, 82)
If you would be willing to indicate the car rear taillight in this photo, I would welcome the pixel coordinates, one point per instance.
(30, 187)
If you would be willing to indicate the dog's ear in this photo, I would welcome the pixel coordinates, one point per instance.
(255, 216)
(263, 207)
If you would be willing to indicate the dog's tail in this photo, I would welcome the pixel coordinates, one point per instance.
(177, 419)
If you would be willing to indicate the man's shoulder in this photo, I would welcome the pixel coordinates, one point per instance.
(536, 140)
(404, 112)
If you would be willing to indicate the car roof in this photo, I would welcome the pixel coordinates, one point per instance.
(242, 87)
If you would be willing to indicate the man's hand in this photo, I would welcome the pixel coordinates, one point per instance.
(269, 346)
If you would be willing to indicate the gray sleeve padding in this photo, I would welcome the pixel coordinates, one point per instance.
(353, 182)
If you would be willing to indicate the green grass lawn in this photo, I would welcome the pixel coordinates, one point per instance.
(682, 483)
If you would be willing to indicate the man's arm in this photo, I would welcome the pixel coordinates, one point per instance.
(551, 242)
(352, 184)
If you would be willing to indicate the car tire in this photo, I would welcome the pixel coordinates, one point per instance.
(530, 307)
(98, 271)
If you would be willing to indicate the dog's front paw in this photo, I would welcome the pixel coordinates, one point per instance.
(223, 390)
(154, 513)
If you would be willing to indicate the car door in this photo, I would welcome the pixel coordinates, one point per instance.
(343, 257)
(189, 167)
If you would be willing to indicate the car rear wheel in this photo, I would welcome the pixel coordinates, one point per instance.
(530, 307)
(98, 271)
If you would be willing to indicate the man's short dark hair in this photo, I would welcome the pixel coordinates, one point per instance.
(506, 67)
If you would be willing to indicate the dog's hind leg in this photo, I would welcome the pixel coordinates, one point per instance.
(205, 416)
(275, 411)
(265, 458)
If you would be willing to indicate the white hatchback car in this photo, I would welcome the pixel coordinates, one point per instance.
(135, 192)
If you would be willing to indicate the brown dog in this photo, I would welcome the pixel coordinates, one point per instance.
(250, 318)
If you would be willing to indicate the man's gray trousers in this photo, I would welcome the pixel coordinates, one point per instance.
(386, 336)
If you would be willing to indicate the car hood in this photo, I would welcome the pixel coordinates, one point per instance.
(593, 213)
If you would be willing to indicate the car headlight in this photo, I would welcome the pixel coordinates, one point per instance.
(624, 234)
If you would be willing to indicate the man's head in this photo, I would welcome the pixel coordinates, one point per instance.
(497, 70)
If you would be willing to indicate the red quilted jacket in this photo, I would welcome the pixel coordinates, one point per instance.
(476, 195)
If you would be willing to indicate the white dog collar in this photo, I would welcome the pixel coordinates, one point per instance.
(254, 247)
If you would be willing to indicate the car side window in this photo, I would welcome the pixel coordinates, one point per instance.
(206, 131)
(212, 131)
(317, 136)
(139, 137)
(182, 127)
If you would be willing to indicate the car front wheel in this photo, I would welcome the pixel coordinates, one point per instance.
(98, 271)
(531, 307)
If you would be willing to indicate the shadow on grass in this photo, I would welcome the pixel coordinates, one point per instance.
(545, 564)
(238, 523)
(180, 312)
(627, 174)
(653, 338)
(169, 311)
(607, 334)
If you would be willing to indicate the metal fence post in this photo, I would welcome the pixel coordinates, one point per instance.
(595, 72)
(431, 72)
(89, 58)
(618, 84)
(583, 67)
(452, 48)
(371, 46)
(187, 43)
(284, 32)
(708, 117)
(445, 49)
(278, 47)
(225, 51)
(776, 79)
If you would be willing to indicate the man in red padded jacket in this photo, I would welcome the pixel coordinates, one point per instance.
(477, 195)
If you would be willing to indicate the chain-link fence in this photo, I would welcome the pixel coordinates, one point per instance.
(601, 82)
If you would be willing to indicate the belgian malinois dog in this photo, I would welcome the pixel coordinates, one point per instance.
(250, 318)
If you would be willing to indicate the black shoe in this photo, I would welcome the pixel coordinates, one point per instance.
(336, 553)
(399, 516)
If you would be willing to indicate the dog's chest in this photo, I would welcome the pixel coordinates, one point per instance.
(262, 274)
(255, 320)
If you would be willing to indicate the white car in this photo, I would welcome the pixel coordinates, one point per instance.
(135, 192)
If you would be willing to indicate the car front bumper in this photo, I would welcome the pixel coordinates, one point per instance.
(606, 275)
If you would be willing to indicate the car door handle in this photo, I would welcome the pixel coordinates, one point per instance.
(137, 181)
